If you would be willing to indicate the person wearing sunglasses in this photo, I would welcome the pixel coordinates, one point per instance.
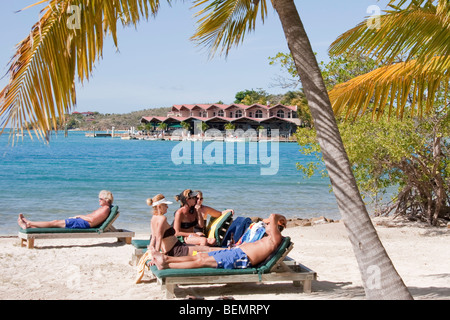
(205, 211)
(188, 220)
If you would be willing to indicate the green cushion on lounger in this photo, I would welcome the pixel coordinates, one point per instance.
(268, 264)
(166, 273)
(262, 268)
(140, 244)
(112, 214)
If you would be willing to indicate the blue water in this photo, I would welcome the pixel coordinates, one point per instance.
(63, 178)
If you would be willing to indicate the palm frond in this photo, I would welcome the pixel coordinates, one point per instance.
(390, 88)
(420, 30)
(224, 23)
(43, 70)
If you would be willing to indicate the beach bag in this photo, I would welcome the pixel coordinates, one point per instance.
(237, 229)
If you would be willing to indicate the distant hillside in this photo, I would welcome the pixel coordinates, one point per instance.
(106, 121)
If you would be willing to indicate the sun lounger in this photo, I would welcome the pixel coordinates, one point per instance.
(217, 228)
(106, 230)
(278, 267)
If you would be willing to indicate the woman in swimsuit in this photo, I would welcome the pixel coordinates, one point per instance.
(204, 211)
(187, 219)
(163, 234)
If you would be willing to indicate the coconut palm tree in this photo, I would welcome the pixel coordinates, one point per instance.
(163, 127)
(185, 125)
(229, 126)
(223, 25)
(419, 31)
(43, 72)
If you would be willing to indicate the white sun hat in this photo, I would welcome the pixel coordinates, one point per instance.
(163, 200)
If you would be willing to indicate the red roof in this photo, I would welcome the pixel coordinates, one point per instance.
(223, 106)
(227, 106)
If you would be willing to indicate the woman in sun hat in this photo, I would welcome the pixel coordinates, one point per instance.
(163, 234)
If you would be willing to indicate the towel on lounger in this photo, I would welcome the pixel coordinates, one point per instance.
(141, 266)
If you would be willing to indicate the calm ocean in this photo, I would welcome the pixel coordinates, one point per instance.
(63, 178)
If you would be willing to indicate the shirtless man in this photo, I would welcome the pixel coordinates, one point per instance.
(91, 220)
(249, 254)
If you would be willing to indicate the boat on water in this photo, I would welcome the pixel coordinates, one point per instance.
(128, 138)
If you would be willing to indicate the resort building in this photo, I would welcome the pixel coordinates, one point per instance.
(283, 118)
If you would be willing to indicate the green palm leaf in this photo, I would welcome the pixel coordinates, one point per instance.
(224, 23)
(419, 31)
(389, 88)
(43, 70)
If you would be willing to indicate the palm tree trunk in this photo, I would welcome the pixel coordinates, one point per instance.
(379, 277)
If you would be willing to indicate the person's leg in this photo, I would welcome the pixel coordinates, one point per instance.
(195, 241)
(199, 249)
(200, 260)
(25, 223)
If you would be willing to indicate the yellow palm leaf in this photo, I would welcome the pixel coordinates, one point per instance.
(398, 82)
(420, 30)
(46, 64)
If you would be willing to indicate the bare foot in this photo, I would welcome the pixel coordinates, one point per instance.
(159, 260)
(21, 221)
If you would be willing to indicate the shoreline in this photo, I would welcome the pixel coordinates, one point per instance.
(81, 269)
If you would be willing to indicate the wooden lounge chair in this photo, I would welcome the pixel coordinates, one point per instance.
(217, 228)
(278, 267)
(106, 230)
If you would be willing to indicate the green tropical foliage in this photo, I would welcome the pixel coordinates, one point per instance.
(230, 126)
(224, 24)
(185, 125)
(409, 156)
(412, 41)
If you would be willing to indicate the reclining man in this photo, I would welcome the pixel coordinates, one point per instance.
(244, 256)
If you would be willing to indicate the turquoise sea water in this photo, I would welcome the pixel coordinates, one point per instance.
(63, 178)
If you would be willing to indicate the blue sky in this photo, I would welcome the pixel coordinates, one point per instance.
(158, 66)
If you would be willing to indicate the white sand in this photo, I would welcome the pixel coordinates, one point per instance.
(100, 269)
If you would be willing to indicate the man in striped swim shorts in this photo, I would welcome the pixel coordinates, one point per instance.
(246, 255)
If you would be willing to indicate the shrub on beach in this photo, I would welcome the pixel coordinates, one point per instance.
(411, 156)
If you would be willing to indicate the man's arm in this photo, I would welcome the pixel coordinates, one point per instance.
(273, 222)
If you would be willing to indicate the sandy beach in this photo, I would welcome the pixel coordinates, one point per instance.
(100, 269)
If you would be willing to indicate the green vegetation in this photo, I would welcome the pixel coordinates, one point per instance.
(106, 121)
(410, 156)
(392, 108)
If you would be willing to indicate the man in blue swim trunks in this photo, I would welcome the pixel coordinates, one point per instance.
(91, 220)
(246, 255)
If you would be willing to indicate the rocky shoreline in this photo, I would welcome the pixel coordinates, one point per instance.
(300, 222)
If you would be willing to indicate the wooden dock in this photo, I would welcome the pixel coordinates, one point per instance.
(98, 135)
